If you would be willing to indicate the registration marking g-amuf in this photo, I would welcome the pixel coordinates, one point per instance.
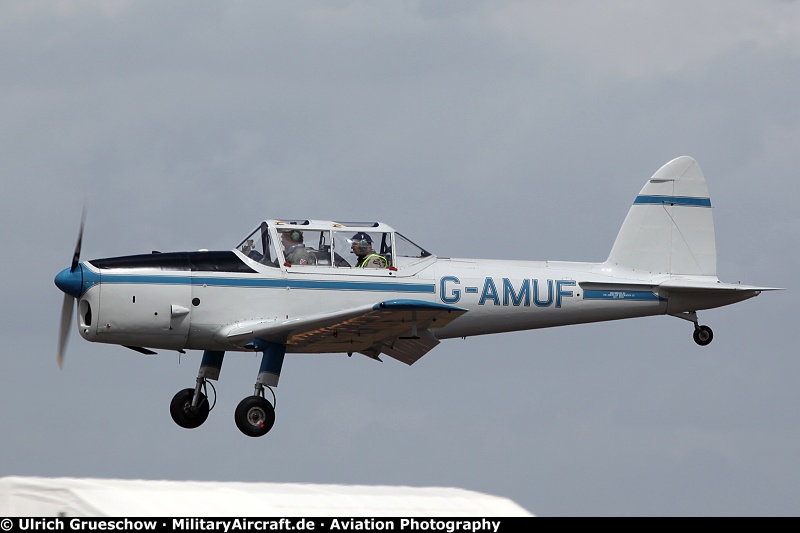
(507, 294)
(255, 298)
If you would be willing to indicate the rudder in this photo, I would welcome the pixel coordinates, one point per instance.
(669, 228)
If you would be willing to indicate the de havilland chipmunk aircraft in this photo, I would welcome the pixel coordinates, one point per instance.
(314, 286)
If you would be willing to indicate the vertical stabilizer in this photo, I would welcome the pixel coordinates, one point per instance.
(669, 228)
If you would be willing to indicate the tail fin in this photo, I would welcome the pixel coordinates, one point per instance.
(669, 228)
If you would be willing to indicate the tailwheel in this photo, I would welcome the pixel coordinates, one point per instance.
(184, 414)
(254, 416)
(703, 335)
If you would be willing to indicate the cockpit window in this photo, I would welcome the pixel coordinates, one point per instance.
(343, 246)
(353, 248)
(259, 247)
(406, 248)
(304, 247)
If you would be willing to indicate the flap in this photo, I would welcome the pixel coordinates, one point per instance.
(409, 350)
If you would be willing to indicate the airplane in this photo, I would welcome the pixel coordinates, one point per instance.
(258, 297)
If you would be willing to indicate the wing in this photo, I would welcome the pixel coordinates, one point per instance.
(401, 329)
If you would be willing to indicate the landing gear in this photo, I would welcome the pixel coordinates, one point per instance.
(703, 335)
(254, 416)
(190, 407)
(184, 414)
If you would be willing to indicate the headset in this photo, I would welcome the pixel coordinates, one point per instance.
(363, 244)
(295, 235)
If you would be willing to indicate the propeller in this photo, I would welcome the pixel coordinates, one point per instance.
(70, 281)
(66, 321)
(76, 257)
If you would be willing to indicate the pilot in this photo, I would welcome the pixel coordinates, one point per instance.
(294, 250)
(361, 244)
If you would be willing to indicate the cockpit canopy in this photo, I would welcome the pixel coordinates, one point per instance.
(328, 244)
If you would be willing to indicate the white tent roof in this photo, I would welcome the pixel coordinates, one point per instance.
(37, 496)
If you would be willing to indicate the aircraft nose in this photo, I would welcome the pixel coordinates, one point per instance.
(70, 282)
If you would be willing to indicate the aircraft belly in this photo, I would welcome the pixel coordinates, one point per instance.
(139, 314)
(617, 310)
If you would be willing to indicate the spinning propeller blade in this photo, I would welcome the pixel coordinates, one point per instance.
(76, 257)
(66, 320)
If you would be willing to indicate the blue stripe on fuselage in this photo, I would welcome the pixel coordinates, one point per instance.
(621, 295)
(373, 286)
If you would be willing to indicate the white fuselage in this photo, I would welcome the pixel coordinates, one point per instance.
(186, 310)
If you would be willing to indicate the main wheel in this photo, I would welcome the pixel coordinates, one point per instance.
(703, 335)
(254, 416)
(182, 412)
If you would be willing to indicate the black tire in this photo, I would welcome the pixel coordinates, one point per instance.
(703, 335)
(254, 416)
(181, 409)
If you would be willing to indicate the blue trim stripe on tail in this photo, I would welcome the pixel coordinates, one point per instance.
(683, 201)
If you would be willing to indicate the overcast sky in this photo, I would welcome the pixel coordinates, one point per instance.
(502, 129)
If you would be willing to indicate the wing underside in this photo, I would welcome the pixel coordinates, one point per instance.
(402, 329)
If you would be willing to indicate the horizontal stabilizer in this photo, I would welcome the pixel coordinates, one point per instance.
(710, 285)
(672, 285)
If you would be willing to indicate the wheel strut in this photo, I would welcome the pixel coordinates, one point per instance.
(254, 415)
(702, 334)
(190, 407)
